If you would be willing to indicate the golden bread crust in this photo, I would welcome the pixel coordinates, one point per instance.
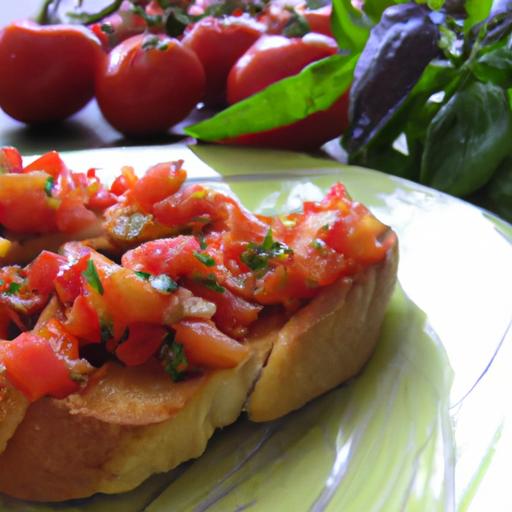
(13, 406)
(74, 448)
(325, 343)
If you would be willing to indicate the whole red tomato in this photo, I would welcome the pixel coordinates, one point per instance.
(219, 43)
(148, 84)
(47, 72)
(273, 58)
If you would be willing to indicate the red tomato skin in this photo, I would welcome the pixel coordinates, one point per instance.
(10, 160)
(47, 71)
(219, 43)
(34, 368)
(43, 270)
(273, 58)
(160, 181)
(143, 341)
(319, 20)
(171, 256)
(146, 91)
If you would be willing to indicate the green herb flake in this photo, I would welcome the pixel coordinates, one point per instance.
(205, 259)
(143, 275)
(13, 288)
(173, 358)
(163, 283)
(92, 277)
(257, 257)
(202, 242)
(107, 28)
(210, 281)
(48, 186)
(318, 244)
(106, 329)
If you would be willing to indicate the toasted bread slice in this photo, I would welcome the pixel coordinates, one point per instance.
(127, 425)
(132, 422)
(325, 343)
(13, 406)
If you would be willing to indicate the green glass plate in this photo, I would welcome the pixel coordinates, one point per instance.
(426, 426)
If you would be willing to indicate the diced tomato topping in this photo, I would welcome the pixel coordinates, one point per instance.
(101, 200)
(83, 321)
(69, 282)
(233, 314)
(43, 271)
(61, 340)
(51, 163)
(35, 369)
(190, 205)
(160, 181)
(24, 204)
(124, 182)
(142, 342)
(10, 160)
(171, 256)
(73, 216)
(206, 346)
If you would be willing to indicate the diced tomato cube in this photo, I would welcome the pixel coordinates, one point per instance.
(206, 346)
(42, 272)
(35, 369)
(51, 163)
(143, 341)
(10, 160)
(160, 181)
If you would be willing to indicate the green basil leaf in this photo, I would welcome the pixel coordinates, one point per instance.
(205, 259)
(467, 140)
(315, 88)
(477, 11)
(143, 275)
(48, 186)
(13, 288)
(375, 8)
(173, 357)
(210, 281)
(350, 26)
(495, 66)
(498, 193)
(91, 275)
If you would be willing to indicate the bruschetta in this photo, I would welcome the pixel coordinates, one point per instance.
(208, 311)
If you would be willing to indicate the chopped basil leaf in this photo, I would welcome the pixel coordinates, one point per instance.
(210, 281)
(48, 186)
(107, 28)
(256, 257)
(143, 275)
(202, 242)
(205, 259)
(106, 329)
(318, 244)
(173, 357)
(163, 283)
(13, 288)
(92, 277)
(77, 377)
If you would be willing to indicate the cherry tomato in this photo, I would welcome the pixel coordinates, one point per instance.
(273, 58)
(219, 43)
(47, 71)
(148, 84)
